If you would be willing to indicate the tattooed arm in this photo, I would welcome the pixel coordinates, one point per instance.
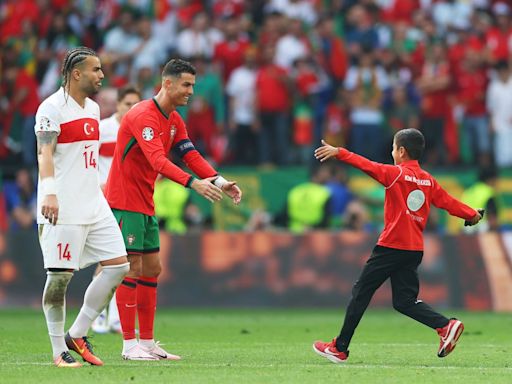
(46, 144)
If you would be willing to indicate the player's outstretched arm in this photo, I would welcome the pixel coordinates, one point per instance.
(325, 152)
(207, 189)
(46, 143)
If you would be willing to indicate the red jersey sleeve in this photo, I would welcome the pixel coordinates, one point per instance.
(184, 148)
(147, 133)
(442, 199)
(385, 174)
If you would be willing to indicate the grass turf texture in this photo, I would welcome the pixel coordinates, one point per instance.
(269, 346)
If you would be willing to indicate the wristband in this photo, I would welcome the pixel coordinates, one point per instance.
(190, 181)
(220, 182)
(48, 186)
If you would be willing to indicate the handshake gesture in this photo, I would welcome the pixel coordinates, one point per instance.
(213, 193)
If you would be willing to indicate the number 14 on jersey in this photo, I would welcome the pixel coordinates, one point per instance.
(90, 160)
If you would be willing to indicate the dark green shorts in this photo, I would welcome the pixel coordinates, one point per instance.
(140, 231)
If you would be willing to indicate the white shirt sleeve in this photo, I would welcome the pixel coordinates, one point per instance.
(47, 118)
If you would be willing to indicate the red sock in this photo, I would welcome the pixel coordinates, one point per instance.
(146, 306)
(126, 298)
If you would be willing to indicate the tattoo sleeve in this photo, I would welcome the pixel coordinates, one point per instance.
(46, 138)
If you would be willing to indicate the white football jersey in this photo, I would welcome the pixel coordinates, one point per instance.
(108, 138)
(80, 198)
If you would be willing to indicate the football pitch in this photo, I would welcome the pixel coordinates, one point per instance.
(269, 346)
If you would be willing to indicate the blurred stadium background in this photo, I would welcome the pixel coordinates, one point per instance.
(273, 78)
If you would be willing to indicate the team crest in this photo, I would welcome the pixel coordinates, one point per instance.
(173, 131)
(148, 134)
(130, 238)
(88, 129)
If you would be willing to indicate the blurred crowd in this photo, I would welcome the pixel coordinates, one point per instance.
(276, 76)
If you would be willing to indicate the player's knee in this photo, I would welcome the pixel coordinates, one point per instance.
(402, 305)
(152, 271)
(56, 286)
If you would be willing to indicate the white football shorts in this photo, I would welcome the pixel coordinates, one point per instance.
(78, 246)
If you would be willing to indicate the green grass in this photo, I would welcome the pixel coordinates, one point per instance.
(269, 346)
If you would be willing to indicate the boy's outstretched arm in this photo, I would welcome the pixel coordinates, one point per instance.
(475, 219)
(325, 152)
(385, 174)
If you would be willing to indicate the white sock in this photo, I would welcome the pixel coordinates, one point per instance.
(129, 344)
(113, 313)
(54, 308)
(147, 343)
(97, 296)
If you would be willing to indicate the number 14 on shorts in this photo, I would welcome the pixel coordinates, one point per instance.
(63, 250)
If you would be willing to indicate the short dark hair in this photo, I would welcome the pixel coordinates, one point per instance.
(412, 140)
(175, 67)
(73, 58)
(126, 90)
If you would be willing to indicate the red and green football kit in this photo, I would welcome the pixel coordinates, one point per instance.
(145, 137)
(409, 193)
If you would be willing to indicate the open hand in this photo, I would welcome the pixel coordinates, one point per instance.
(325, 152)
(207, 189)
(232, 190)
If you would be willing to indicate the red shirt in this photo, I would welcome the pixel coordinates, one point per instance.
(471, 90)
(231, 55)
(271, 90)
(144, 139)
(409, 193)
(498, 42)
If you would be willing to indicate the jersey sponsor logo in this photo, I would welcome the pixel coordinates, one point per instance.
(413, 179)
(415, 200)
(148, 133)
(79, 130)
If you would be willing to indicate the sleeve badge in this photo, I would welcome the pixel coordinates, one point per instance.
(148, 133)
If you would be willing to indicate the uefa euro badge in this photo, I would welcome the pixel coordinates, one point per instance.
(131, 239)
(173, 131)
(44, 124)
(147, 133)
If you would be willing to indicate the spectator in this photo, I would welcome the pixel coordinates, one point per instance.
(199, 39)
(499, 100)
(365, 84)
(273, 110)
(308, 204)
(434, 85)
(241, 91)
(483, 194)
(498, 37)
(20, 89)
(294, 9)
(229, 53)
(122, 43)
(471, 85)
(21, 200)
(206, 113)
(292, 46)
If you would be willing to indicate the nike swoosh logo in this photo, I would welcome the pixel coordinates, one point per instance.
(329, 352)
(79, 350)
(161, 356)
(88, 146)
(130, 305)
